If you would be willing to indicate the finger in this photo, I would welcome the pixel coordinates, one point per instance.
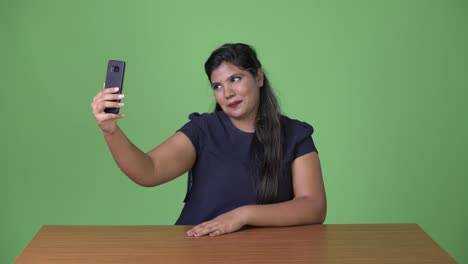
(100, 109)
(98, 99)
(107, 97)
(196, 229)
(107, 104)
(106, 91)
(217, 232)
(208, 228)
(112, 96)
(110, 90)
(104, 117)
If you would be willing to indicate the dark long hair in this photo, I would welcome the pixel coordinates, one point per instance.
(268, 140)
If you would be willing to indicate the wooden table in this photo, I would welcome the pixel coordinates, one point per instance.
(370, 243)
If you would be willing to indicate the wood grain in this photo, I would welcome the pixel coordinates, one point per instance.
(366, 243)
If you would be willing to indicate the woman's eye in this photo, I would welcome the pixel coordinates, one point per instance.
(216, 86)
(235, 79)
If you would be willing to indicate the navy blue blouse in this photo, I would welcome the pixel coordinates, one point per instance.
(221, 178)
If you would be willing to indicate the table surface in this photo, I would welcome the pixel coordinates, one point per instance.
(331, 243)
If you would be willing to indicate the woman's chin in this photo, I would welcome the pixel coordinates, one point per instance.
(234, 113)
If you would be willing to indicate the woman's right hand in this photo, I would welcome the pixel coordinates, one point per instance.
(107, 121)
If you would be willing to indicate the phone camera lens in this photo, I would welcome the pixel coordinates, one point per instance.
(115, 69)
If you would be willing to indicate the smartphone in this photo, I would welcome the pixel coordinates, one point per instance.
(115, 78)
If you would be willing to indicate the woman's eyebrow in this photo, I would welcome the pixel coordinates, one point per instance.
(228, 78)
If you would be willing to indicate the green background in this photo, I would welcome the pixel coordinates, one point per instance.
(382, 82)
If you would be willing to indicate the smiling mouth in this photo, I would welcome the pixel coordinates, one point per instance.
(234, 104)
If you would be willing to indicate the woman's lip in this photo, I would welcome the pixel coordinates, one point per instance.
(234, 104)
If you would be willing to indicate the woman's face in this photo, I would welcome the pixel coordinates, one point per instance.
(237, 91)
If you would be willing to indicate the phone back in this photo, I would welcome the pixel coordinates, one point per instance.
(114, 78)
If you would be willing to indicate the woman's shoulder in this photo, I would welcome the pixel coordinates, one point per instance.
(293, 125)
(203, 117)
(200, 116)
(296, 130)
(298, 137)
(205, 120)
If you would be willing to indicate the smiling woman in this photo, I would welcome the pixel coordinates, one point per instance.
(237, 93)
(247, 163)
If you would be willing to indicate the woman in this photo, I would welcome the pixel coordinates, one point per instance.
(248, 164)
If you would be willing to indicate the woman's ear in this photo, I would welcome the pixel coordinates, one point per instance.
(260, 77)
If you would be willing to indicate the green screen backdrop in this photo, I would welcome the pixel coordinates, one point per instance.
(384, 83)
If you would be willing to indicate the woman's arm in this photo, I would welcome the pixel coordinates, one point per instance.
(164, 163)
(309, 205)
(169, 160)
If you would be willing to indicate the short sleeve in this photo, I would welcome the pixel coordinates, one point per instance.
(305, 144)
(194, 130)
(298, 136)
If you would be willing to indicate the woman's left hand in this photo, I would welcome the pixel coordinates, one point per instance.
(226, 223)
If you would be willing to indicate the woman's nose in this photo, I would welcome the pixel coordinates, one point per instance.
(228, 92)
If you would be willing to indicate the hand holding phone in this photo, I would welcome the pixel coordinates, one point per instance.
(114, 78)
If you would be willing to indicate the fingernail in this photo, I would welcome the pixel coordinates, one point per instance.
(116, 88)
(196, 234)
(189, 233)
(120, 96)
